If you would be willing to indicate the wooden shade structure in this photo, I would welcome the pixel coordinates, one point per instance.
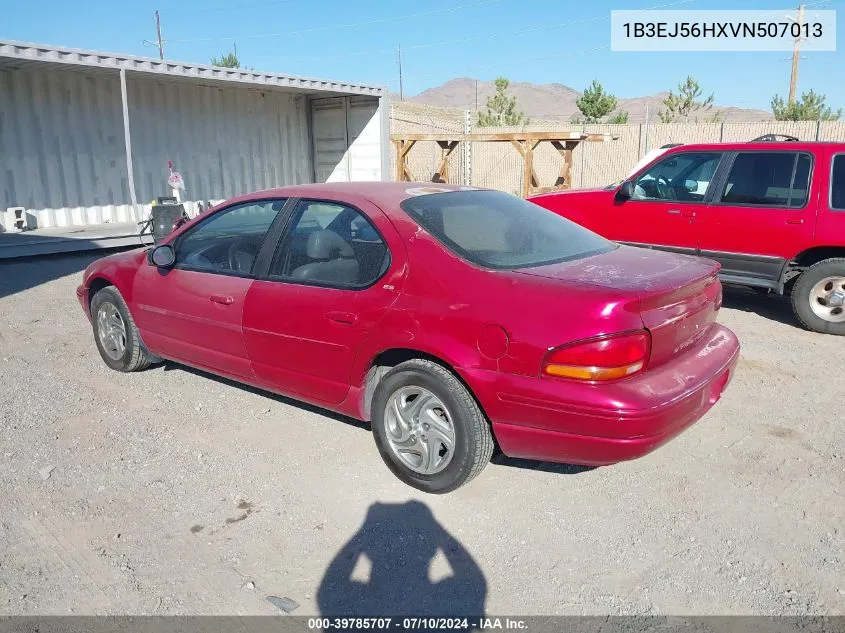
(524, 142)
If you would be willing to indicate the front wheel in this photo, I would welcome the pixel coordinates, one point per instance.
(429, 429)
(818, 297)
(115, 332)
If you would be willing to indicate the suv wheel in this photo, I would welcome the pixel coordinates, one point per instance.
(818, 297)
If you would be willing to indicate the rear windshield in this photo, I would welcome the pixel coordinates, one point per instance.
(493, 229)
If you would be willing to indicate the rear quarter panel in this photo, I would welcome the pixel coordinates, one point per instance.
(446, 303)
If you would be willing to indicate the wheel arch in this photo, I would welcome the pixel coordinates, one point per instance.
(803, 260)
(95, 284)
(386, 360)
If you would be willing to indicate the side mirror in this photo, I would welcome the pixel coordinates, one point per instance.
(163, 256)
(626, 191)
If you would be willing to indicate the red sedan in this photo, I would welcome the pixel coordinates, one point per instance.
(450, 318)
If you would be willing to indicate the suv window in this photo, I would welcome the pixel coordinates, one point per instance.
(768, 179)
(837, 183)
(683, 176)
(494, 229)
(228, 241)
(330, 244)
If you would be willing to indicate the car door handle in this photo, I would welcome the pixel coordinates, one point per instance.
(224, 299)
(342, 317)
(795, 220)
(687, 213)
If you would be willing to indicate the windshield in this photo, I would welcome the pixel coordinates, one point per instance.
(493, 229)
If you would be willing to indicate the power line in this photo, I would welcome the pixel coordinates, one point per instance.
(248, 6)
(343, 26)
(464, 40)
(529, 59)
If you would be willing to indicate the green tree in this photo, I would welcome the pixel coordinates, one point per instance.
(229, 60)
(688, 101)
(811, 107)
(501, 108)
(595, 103)
(619, 118)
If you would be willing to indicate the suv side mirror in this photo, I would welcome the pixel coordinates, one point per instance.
(626, 191)
(162, 256)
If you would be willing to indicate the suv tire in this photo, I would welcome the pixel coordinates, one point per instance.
(818, 297)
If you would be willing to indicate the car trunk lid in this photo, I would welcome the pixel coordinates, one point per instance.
(679, 295)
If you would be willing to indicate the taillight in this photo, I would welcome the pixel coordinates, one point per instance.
(604, 358)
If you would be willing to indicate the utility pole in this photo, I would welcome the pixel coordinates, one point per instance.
(796, 54)
(158, 37)
(401, 91)
(476, 95)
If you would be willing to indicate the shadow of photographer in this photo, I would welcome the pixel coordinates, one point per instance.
(387, 569)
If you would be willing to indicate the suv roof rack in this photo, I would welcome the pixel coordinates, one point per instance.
(668, 145)
(774, 138)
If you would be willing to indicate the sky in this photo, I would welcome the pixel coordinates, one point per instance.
(540, 41)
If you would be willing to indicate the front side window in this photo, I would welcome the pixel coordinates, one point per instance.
(837, 183)
(493, 229)
(330, 244)
(228, 241)
(768, 179)
(681, 177)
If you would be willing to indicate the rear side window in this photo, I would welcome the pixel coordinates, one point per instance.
(769, 179)
(496, 230)
(837, 183)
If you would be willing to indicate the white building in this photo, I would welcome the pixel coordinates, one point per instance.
(85, 140)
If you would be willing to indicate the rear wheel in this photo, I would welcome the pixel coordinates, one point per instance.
(115, 333)
(818, 297)
(429, 429)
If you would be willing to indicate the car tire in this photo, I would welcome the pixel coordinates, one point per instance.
(115, 332)
(416, 407)
(813, 293)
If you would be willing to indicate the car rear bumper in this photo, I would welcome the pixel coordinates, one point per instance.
(569, 422)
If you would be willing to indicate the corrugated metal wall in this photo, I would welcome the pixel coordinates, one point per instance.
(62, 149)
(224, 141)
(61, 146)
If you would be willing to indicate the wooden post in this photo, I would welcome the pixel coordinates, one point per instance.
(524, 142)
(528, 176)
(564, 180)
(400, 159)
(403, 173)
(446, 148)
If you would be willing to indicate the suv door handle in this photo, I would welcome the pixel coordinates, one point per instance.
(795, 220)
(342, 317)
(687, 213)
(224, 299)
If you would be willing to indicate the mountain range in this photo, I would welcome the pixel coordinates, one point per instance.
(557, 102)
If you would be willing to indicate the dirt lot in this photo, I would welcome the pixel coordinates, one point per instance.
(171, 491)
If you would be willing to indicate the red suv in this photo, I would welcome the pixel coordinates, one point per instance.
(771, 212)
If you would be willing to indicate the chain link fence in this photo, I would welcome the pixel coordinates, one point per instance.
(595, 164)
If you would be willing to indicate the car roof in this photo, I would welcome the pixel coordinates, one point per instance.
(782, 146)
(386, 195)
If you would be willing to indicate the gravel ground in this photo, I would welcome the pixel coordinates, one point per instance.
(174, 492)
